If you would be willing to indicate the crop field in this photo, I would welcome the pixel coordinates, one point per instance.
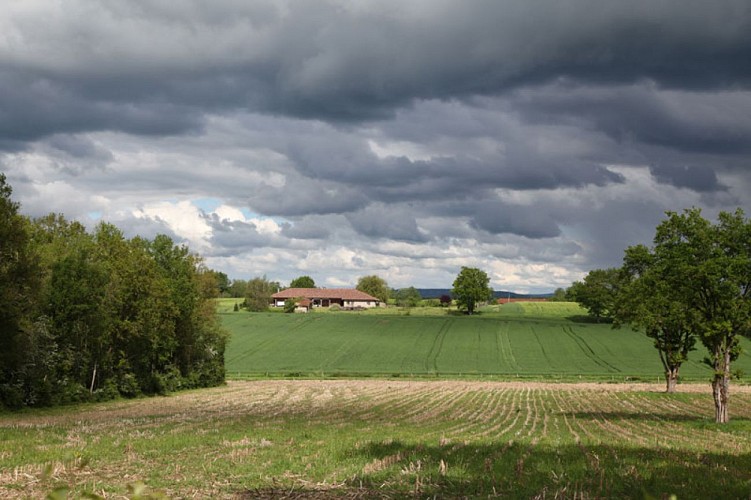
(517, 340)
(385, 439)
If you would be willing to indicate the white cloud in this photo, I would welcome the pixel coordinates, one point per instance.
(182, 217)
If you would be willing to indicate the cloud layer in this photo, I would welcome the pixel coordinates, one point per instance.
(333, 138)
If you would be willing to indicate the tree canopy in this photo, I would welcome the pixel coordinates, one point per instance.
(598, 292)
(470, 288)
(711, 269)
(302, 282)
(650, 300)
(375, 286)
(258, 293)
(408, 297)
(90, 316)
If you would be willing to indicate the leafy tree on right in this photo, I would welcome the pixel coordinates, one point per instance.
(700, 275)
(470, 288)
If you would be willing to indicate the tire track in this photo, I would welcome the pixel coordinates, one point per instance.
(588, 351)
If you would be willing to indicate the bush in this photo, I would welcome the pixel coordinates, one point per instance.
(127, 385)
(335, 307)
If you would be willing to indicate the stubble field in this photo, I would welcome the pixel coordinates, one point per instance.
(384, 439)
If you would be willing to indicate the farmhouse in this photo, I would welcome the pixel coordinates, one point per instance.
(325, 297)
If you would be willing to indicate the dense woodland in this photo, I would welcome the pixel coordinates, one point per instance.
(90, 316)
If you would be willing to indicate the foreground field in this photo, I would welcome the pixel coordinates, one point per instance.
(531, 341)
(288, 439)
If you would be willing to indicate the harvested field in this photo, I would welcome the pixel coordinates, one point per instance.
(351, 439)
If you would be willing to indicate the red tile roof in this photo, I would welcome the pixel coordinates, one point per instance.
(324, 293)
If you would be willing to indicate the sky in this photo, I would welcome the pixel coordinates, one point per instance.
(343, 138)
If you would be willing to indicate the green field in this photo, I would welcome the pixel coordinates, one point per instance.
(476, 437)
(517, 340)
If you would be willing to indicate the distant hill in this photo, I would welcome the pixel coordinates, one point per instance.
(434, 293)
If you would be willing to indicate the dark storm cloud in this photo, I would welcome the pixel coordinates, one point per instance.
(34, 107)
(549, 130)
(692, 122)
(141, 68)
(498, 217)
(697, 178)
(387, 222)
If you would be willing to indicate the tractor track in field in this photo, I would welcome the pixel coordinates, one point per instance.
(431, 360)
(588, 351)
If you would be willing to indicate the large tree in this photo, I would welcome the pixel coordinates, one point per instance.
(711, 266)
(259, 292)
(650, 300)
(303, 282)
(375, 286)
(19, 288)
(597, 292)
(470, 288)
(408, 297)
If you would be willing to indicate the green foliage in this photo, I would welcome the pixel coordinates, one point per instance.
(258, 294)
(290, 305)
(408, 297)
(90, 316)
(649, 299)
(375, 286)
(471, 288)
(710, 274)
(559, 295)
(598, 292)
(238, 289)
(303, 282)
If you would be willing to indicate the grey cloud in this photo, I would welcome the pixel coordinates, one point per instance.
(301, 196)
(148, 69)
(393, 223)
(498, 217)
(697, 178)
(305, 229)
(714, 123)
(272, 104)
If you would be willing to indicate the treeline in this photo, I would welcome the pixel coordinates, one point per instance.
(90, 316)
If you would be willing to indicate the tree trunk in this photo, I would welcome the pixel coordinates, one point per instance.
(721, 387)
(671, 377)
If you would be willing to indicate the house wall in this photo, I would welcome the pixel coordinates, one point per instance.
(360, 303)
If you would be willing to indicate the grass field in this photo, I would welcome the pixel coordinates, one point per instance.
(385, 439)
(390, 438)
(517, 340)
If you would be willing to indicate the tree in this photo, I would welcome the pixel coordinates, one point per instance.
(649, 300)
(445, 300)
(222, 283)
(259, 292)
(559, 295)
(597, 292)
(303, 282)
(711, 274)
(238, 289)
(19, 289)
(375, 286)
(408, 297)
(471, 287)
